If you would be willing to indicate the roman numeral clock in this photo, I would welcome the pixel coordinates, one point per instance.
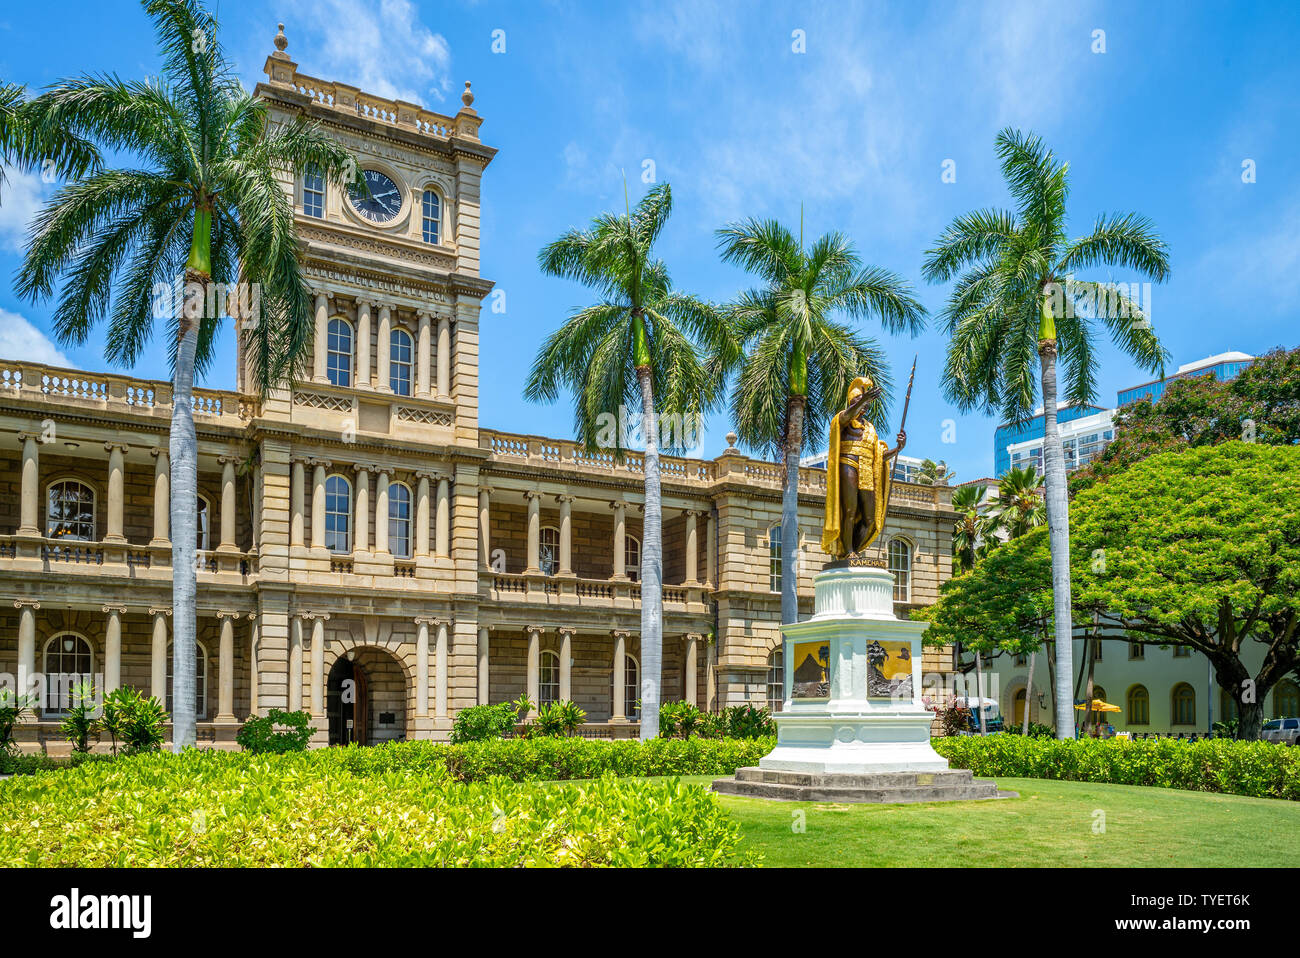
(378, 200)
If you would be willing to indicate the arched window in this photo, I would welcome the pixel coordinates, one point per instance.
(1183, 700)
(1139, 706)
(399, 520)
(900, 563)
(631, 688)
(548, 679)
(432, 217)
(548, 551)
(1099, 692)
(632, 557)
(203, 524)
(774, 558)
(338, 514)
(776, 679)
(70, 511)
(1286, 699)
(68, 661)
(338, 352)
(399, 362)
(313, 192)
(200, 680)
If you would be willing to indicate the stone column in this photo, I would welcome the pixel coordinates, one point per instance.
(484, 646)
(444, 357)
(227, 504)
(296, 499)
(161, 498)
(361, 534)
(226, 668)
(689, 667)
(620, 540)
(534, 666)
(422, 350)
(113, 648)
(566, 665)
(29, 510)
(254, 674)
(321, 342)
(295, 664)
(259, 505)
(534, 531)
(485, 528)
(422, 667)
(710, 552)
(442, 527)
(318, 503)
(26, 641)
(383, 350)
(363, 343)
(422, 515)
(692, 548)
(318, 664)
(440, 671)
(158, 655)
(620, 677)
(381, 514)
(566, 534)
(116, 491)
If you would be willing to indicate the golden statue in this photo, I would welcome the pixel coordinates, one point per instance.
(858, 473)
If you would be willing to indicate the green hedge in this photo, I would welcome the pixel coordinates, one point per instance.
(1259, 769)
(332, 808)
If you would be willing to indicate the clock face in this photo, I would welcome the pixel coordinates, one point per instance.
(384, 201)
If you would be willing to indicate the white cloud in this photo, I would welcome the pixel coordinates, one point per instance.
(19, 339)
(384, 49)
(21, 195)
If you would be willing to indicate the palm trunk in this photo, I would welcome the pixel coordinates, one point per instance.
(183, 448)
(1029, 691)
(651, 567)
(1058, 532)
(1049, 650)
(790, 511)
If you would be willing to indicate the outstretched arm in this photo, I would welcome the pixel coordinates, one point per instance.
(902, 441)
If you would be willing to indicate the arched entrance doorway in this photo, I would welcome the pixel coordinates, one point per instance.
(1018, 709)
(366, 698)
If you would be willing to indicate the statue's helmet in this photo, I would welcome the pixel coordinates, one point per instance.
(860, 385)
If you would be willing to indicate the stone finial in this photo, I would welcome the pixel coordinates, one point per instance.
(731, 442)
(281, 41)
(467, 97)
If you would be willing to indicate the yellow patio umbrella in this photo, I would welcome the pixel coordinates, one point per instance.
(1099, 706)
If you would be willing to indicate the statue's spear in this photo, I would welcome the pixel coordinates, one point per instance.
(908, 400)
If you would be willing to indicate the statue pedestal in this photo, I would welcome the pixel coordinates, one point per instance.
(852, 728)
(866, 716)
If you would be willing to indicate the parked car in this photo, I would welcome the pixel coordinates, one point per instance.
(1284, 731)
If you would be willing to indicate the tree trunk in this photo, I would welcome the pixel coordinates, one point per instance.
(979, 695)
(183, 448)
(1029, 691)
(1058, 531)
(1049, 649)
(790, 510)
(652, 568)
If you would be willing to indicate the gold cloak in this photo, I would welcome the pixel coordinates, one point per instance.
(876, 466)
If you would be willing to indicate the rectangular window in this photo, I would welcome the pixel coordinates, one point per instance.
(1136, 650)
(432, 218)
(774, 559)
(1181, 651)
(313, 192)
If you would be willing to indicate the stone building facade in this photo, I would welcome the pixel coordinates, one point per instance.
(359, 530)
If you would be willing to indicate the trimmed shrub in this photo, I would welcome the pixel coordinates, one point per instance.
(207, 808)
(481, 722)
(275, 733)
(1258, 769)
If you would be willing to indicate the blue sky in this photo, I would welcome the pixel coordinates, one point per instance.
(856, 129)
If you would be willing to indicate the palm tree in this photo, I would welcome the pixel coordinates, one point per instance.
(934, 473)
(795, 360)
(26, 145)
(1017, 296)
(972, 531)
(635, 348)
(204, 200)
(1019, 506)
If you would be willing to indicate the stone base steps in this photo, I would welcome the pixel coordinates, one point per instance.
(954, 785)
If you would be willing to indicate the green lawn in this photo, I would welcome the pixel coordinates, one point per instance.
(1051, 823)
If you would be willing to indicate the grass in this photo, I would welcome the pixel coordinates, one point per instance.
(1050, 824)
